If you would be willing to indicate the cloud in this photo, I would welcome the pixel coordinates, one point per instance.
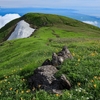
(91, 22)
(7, 18)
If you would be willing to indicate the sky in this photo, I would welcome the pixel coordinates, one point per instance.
(88, 7)
(50, 3)
(82, 6)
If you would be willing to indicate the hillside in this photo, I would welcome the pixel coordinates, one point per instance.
(18, 58)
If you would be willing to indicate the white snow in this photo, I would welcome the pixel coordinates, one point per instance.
(22, 30)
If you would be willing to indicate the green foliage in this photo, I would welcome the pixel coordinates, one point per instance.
(19, 58)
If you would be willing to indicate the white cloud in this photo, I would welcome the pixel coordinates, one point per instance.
(91, 22)
(7, 18)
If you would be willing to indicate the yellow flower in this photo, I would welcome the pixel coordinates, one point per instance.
(8, 82)
(73, 54)
(78, 84)
(5, 80)
(10, 89)
(92, 81)
(57, 95)
(92, 54)
(28, 91)
(78, 60)
(95, 77)
(23, 79)
(21, 98)
(22, 92)
(6, 77)
(95, 85)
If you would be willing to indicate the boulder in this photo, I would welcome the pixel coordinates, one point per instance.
(43, 77)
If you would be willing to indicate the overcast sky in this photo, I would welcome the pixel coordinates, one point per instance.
(50, 3)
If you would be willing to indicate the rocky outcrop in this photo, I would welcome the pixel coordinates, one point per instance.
(58, 58)
(43, 77)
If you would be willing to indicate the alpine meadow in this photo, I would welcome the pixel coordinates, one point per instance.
(20, 57)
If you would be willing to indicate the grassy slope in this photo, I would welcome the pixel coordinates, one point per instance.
(18, 59)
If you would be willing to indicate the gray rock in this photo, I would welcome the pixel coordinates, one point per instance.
(43, 77)
(65, 53)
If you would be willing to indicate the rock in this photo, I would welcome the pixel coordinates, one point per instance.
(43, 77)
(54, 60)
(65, 53)
(61, 83)
(58, 59)
(65, 83)
(47, 62)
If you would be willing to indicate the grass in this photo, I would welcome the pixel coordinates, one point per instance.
(18, 59)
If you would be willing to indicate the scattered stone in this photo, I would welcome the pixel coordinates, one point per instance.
(43, 77)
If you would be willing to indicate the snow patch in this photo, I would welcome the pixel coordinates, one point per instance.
(22, 30)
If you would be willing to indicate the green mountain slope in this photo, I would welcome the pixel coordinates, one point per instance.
(18, 58)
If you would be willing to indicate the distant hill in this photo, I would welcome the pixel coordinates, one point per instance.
(37, 20)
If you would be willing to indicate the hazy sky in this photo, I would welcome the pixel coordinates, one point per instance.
(88, 7)
(50, 3)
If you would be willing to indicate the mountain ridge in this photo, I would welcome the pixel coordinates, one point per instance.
(38, 20)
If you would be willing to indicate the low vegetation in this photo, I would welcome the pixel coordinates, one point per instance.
(18, 59)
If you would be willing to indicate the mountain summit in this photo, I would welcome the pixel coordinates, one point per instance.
(17, 27)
